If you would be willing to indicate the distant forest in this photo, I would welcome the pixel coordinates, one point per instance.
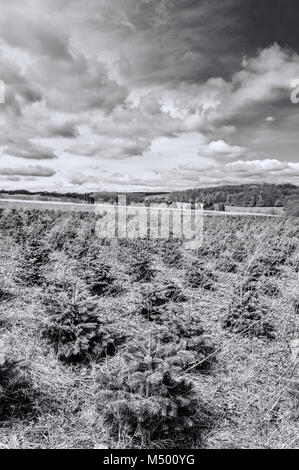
(248, 195)
(253, 195)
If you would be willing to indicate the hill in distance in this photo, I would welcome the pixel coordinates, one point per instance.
(249, 195)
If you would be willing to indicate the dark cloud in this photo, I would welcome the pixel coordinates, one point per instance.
(181, 40)
(120, 148)
(268, 21)
(19, 91)
(33, 170)
(22, 148)
(156, 93)
(66, 129)
(77, 85)
(34, 33)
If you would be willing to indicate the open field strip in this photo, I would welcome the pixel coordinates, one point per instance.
(69, 207)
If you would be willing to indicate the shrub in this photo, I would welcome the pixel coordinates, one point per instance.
(155, 297)
(77, 331)
(63, 234)
(184, 343)
(16, 398)
(171, 254)
(35, 257)
(296, 306)
(227, 265)
(5, 295)
(199, 275)
(249, 285)
(83, 241)
(141, 269)
(270, 262)
(12, 222)
(143, 398)
(239, 253)
(270, 289)
(100, 279)
(264, 265)
(246, 316)
(203, 251)
(295, 264)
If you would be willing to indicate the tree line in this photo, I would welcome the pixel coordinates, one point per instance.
(249, 195)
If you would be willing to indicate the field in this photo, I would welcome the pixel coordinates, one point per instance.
(146, 344)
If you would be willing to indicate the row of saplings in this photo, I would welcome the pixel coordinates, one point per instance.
(144, 394)
(158, 402)
(99, 277)
(247, 314)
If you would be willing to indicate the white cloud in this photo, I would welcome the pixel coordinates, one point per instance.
(221, 149)
(256, 165)
(127, 85)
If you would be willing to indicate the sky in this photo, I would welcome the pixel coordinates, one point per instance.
(147, 95)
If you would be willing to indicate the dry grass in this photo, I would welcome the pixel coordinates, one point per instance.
(247, 389)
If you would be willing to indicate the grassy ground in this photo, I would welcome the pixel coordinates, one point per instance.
(246, 389)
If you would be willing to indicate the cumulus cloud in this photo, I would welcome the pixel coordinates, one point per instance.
(221, 149)
(22, 148)
(32, 170)
(34, 32)
(118, 148)
(77, 85)
(156, 94)
(256, 166)
(19, 91)
(65, 129)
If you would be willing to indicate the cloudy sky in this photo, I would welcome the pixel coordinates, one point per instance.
(147, 94)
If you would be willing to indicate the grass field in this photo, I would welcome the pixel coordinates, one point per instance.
(143, 343)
